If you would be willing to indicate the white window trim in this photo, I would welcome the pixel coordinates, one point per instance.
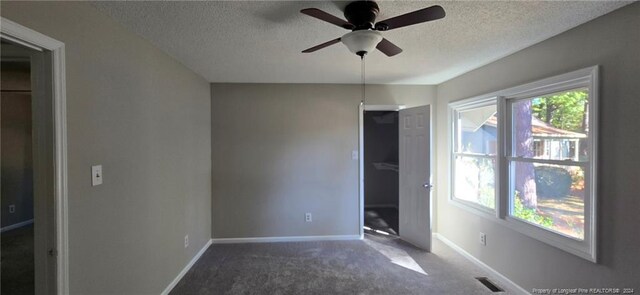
(587, 77)
(460, 106)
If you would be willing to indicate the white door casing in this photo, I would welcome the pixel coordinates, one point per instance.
(57, 141)
(361, 109)
(415, 175)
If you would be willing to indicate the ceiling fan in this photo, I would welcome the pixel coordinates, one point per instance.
(365, 31)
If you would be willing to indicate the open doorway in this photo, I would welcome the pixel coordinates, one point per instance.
(49, 153)
(395, 172)
(33, 159)
(16, 173)
(381, 178)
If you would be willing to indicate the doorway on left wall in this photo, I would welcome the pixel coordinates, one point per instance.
(25, 205)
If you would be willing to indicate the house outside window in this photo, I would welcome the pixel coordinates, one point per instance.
(547, 184)
(475, 154)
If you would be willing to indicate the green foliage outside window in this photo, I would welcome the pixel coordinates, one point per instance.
(530, 214)
(565, 110)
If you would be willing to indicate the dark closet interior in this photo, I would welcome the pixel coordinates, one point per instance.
(381, 171)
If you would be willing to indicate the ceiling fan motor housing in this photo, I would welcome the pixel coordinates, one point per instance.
(362, 14)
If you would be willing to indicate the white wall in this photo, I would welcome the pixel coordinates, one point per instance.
(281, 150)
(146, 119)
(613, 42)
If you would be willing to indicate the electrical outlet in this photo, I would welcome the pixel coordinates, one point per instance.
(186, 241)
(12, 208)
(483, 239)
(307, 217)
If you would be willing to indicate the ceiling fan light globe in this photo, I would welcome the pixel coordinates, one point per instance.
(361, 41)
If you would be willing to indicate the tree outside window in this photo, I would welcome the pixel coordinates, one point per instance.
(548, 186)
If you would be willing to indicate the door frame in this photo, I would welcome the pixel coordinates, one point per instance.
(24, 36)
(361, 109)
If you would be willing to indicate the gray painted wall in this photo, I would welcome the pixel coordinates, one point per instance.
(146, 119)
(281, 150)
(613, 42)
(15, 139)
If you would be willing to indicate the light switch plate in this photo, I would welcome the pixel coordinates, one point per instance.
(96, 175)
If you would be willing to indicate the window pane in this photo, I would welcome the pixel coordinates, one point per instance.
(550, 196)
(552, 127)
(475, 180)
(477, 131)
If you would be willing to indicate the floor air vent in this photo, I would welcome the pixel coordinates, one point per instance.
(491, 286)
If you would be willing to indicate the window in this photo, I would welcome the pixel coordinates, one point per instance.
(548, 186)
(528, 155)
(538, 148)
(475, 151)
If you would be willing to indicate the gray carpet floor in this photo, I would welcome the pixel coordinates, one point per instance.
(376, 265)
(17, 262)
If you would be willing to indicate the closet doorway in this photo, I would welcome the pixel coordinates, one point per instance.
(381, 178)
(34, 163)
(395, 173)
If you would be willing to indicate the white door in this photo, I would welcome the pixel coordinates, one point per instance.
(415, 173)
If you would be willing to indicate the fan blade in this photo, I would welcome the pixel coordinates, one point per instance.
(323, 45)
(419, 16)
(388, 48)
(321, 15)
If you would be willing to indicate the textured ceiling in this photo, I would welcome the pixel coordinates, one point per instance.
(260, 42)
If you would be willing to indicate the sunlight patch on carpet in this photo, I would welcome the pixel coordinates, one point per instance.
(396, 256)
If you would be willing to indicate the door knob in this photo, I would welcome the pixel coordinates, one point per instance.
(427, 185)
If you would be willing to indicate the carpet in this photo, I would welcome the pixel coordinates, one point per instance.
(375, 265)
(17, 262)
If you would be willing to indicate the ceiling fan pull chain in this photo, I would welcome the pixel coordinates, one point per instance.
(362, 69)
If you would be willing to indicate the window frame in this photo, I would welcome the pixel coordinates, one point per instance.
(583, 78)
(454, 109)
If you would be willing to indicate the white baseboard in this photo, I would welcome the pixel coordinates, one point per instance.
(285, 239)
(498, 276)
(16, 225)
(186, 269)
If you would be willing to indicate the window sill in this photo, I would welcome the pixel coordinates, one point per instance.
(580, 248)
